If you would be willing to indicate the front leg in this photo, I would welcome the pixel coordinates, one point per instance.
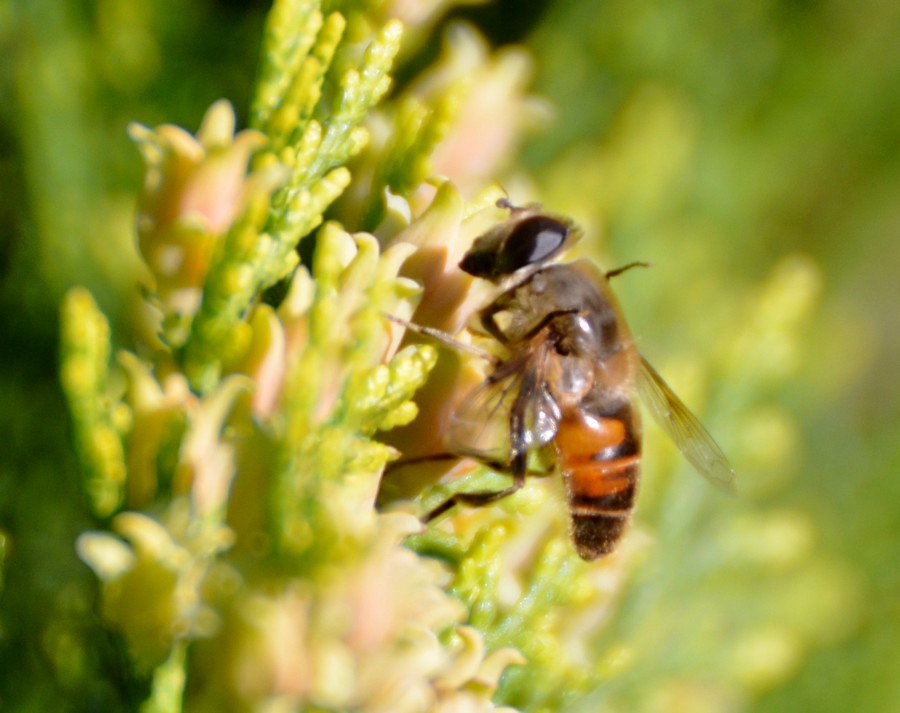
(489, 324)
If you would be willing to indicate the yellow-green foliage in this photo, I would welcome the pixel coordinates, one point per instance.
(244, 563)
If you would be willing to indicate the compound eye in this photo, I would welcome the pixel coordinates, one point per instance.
(531, 242)
(481, 260)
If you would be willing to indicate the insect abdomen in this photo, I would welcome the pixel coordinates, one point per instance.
(599, 458)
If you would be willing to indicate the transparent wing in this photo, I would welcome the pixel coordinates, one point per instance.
(692, 439)
(481, 426)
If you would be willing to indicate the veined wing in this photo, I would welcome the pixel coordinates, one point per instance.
(685, 430)
(506, 414)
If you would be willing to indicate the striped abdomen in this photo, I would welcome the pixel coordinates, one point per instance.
(599, 458)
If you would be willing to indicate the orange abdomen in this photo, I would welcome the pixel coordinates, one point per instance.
(599, 458)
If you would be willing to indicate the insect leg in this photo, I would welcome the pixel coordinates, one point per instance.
(477, 499)
(444, 338)
(518, 465)
(489, 324)
(429, 458)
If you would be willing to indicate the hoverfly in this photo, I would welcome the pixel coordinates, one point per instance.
(566, 382)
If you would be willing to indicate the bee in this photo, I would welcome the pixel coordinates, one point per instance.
(566, 382)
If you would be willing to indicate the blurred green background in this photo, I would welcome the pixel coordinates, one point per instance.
(749, 150)
(792, 112)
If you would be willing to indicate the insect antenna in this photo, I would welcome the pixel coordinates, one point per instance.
(625, 268)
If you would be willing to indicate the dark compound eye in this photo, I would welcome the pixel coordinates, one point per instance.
(480, 261)
(506, 249)
(532, 241)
